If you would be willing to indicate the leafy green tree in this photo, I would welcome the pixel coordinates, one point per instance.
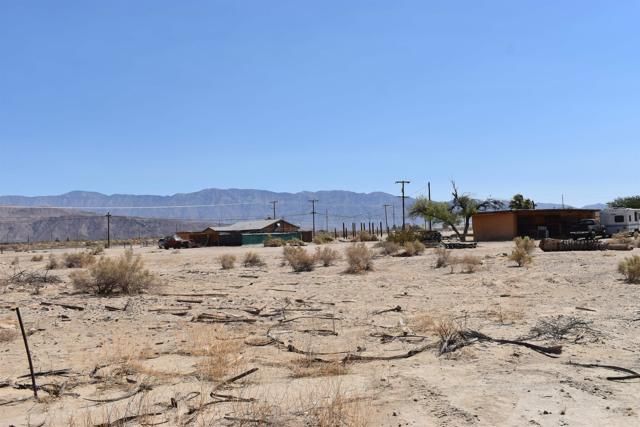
(519, 202)
(632, 202)
(454, 214)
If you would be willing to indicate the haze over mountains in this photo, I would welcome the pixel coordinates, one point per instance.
(82, 213)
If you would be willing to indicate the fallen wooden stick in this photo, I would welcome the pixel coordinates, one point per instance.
(396, 308)
(547, 351)
(195, 295)
(584, 309)
(360, 358)
(26, 347)
(69, 306)
(633, 374)
(61, 372)
(233, 379)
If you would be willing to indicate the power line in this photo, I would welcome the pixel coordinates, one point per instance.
(313, 214)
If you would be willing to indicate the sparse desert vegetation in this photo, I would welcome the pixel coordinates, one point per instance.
(298, 258)
(359, 257)
(521, 254)
(262, 346)
(227, 261)
(252, 259)
(630, 268)
(78, 259)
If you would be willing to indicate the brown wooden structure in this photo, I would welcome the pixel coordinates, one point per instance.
(535, 223)
(231, 235)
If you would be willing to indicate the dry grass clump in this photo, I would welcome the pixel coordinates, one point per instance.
(15, 262)
(296, 242)
(331, 408)
(96, 250)
(630, 269)
(125, 274)
(220, 354)
(298, 258)
(365, 236)
(322, 238)
(78, 259)
(443, 257)
(327, 256)
(252, 259)
(274, 242)
(522, 252)
(468, 263)
(227, 261)
(53, 263)
(307, 367)
(37, 258)
(413, 248)
(388, 247)
(359, 258)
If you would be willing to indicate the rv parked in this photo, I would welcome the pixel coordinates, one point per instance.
(620, 220)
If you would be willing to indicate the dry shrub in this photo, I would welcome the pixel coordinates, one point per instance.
(308, 367)
(227, 261)
(15, 262)
(220, 354)
(622, 238)
(327, 256)
(96, 250)
(522, 252)
(53, 263)
(298, 258)
(332, 407)
(37, 258)
(520, 256)
(443, 257)
(273, 242)
(468, 263)
(413, 248)
(322, 238)
(78, 259)
(525, 243)
(359, 258)
(388, 247)
(630, 269)
(111, 276)
(252, 259)
(365, 236)
(296, 242)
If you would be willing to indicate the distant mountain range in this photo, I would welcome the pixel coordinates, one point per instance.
(150, 215)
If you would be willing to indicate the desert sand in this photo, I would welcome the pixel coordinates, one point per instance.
(151, 346)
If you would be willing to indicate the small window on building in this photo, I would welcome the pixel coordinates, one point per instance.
(619, 218)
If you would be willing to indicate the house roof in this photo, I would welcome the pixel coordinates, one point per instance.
(247, 225)
(535, 211)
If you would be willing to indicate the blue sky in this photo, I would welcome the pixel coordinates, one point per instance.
(158, 97)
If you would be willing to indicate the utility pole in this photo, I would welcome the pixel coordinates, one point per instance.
(429, 196)
(326, 219)
(386, 220)
(403, 182)
(393, 212)
(313, 213)
(108, 229)
(273, 202)
(563, 201)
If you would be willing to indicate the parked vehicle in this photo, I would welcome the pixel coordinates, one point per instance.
(588, 229)
(620, 220)
(175, 242)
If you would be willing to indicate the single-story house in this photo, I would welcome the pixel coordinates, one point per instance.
(243, 232)
(535, 223)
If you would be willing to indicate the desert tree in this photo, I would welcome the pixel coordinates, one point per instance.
(632, 202)
(456, 213)
(519, 202)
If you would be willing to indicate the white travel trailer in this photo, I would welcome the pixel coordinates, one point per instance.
(620, 220)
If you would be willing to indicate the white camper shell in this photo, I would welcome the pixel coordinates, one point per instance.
(620, 220)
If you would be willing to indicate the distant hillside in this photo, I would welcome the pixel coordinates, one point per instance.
(208, 207)
(226, 206)
(44, 224)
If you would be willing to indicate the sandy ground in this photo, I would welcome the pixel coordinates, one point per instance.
(149, 343)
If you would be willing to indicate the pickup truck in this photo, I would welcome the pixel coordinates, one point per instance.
(588, 229)
(175, 242)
